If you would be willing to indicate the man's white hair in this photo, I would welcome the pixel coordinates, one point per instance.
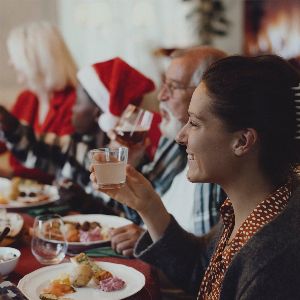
(203, 57)
(40, 53)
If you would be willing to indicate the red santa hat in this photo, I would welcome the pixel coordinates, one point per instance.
(112, 85)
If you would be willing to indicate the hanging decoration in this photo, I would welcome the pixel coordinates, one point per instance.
(210, 20)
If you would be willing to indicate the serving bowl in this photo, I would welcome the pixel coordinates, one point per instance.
(9, 258)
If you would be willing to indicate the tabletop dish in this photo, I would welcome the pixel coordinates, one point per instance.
(105, 221)
(14, 221)
(9, 258)
(24, 193)
(33, 284)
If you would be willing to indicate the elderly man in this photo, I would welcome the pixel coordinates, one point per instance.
(198, 213)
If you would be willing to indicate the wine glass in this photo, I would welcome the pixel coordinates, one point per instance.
(133, 125)
(49, 244)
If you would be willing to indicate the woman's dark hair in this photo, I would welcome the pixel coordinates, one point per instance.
(257, 92)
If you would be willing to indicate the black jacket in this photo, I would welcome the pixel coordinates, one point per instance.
(267, 267)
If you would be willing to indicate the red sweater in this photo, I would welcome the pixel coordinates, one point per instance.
(58, 122)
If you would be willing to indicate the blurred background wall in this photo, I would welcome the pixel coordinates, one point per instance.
(101, 29)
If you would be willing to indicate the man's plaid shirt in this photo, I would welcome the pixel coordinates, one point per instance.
(70, 160)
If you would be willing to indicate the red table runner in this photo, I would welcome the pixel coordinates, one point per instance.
(28, 264)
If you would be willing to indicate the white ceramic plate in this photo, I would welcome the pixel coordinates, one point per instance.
(13, 221)
(33, 284)
(50, 190)
(106, 221)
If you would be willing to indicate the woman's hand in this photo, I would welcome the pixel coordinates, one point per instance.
(139, 194)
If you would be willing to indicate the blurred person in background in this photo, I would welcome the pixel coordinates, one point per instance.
(46, 70)
(104, 91)
(167, 172)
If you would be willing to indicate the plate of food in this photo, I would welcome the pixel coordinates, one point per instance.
(88, 231)
(15, 223)
(23, 193)
(81, 279)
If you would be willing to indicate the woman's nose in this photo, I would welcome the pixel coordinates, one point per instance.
(181, 137)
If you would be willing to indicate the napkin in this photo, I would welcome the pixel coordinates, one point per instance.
(10, 291)
(59, 209)
(103, 252)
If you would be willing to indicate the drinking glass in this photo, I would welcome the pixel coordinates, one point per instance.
(133, 125)
(49, 244)
(109, 166)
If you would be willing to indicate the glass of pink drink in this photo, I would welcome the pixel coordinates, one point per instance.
(109, 166)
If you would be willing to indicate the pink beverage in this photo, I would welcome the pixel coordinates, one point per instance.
(110, 175)
(109, 166)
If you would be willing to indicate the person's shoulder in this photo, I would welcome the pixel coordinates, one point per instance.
(25, 95)
(25, 99)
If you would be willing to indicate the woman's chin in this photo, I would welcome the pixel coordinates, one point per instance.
(191, 176)
(194, 174)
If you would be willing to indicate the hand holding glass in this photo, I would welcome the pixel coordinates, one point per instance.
(49, 244)
(109, 166)
(133, 125)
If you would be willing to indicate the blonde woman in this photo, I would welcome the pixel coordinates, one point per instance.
(47, 71)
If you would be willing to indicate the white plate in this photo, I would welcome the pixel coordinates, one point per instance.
(13, 221)
(49, 190)
(107, 221)
(33, 284)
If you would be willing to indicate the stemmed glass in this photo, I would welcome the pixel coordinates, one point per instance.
(133, 125)
(49, 244)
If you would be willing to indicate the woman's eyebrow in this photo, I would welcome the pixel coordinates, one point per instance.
(199, 117)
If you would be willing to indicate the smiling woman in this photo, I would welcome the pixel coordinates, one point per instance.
(207, 140)
(234, 137)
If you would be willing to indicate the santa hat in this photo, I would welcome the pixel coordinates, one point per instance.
(112, 85)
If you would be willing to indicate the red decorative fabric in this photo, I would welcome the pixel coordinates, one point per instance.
(58, 121)
(265, 211)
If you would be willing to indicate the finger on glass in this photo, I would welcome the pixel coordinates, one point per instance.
(109, 167)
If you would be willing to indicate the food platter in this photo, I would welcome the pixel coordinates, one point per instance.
(15, 222)
(32, 285)
(47, 194)
(106, 222)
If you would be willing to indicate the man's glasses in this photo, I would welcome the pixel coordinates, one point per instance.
(172, 86)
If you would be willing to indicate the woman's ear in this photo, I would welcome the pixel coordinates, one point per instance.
(244, 141)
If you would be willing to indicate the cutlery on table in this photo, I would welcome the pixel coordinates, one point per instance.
(4, 233)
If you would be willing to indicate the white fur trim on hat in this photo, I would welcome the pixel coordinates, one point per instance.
(92, 83)
(107, 121)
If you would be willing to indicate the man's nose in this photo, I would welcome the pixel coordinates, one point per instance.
(163, 94)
